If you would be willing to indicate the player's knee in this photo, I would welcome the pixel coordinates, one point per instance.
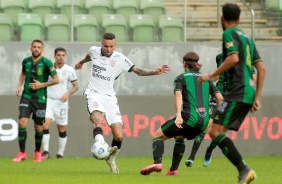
(118, 138)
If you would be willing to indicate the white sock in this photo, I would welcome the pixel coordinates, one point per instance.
(62, 145)
(99, 137)
(45, 142)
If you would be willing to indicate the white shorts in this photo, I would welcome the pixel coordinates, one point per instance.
(105, 104)
(57, 111)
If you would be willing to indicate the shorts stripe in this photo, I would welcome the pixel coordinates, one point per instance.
(229, 113)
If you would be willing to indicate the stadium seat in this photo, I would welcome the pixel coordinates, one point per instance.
(98, 8)
(57, 27)
(13, 8)
(86, 28)
(65, 7)
(273, 5)
(154, 8)
(126, 8)
(6, 28)
(116, 24)
(41, 7)
(30, 27)
(171, 28)
(142, 28)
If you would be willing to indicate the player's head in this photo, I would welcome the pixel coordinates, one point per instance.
(230, 14)
(108, 44)
(190, 60)
(36, 48)
(60, 55)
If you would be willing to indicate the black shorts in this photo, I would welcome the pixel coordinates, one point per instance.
(231, 114)
(38, 110)
(212, 109)
(171, 130)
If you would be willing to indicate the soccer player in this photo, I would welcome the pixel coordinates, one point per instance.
(32, 85)
(106, 67)
(239, 54)
(57, 103)
(191, 107)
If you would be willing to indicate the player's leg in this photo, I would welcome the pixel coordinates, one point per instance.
(25, 112)
(62, 129)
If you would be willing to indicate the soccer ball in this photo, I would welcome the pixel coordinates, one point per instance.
(100, 150)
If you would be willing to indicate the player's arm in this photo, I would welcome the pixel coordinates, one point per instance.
(259, 84)
(178, 108)
(219, 98)
(74, 89)
(20, 85)
(145, 72)
(86, 59)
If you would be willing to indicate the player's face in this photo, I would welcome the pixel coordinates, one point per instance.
(108, 46)
(36, 49)
(60, 57)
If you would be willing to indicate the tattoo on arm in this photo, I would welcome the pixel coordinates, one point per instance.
(141, 72)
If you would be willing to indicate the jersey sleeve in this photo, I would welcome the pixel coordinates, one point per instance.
(91, 51)
(23, 66)
(229, 42)
(213, 89)
(127, 64)
(72, 76)
(178, 83)
(51, 68)
(256, 56)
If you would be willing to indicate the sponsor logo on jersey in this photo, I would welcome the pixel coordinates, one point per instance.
(99, 67)
(192, 74)
(52, 68)
(229, 44)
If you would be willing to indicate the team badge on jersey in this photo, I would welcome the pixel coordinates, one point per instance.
(229, 44)
(39, 71)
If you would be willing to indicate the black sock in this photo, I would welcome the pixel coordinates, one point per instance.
(116, 143)
(46, 131)
(230, 151)
(96, 131)
(210, 149)
(22, 138)
(158, 150)
(38, 140)
(197, 142)
(178, 151)
(63, 134)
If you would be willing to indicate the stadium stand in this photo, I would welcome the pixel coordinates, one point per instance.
(65, 7)
(30, 26)
(171, 28)
(13, 8)
(273, 5)
(98, 8)
(142, 28)
(6, 28)
(126, 8)
(115, 23)
(57, 28)
(86, 28)
(41, 7)
(154, 8)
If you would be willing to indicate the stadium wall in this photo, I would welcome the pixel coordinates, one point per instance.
(145, 102)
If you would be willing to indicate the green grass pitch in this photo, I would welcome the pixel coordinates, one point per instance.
(84, 170)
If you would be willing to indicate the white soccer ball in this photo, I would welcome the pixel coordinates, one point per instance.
(100, 150)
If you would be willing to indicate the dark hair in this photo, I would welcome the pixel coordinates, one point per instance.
(39, 41)
(109, 36)
(231, 11)
(59, 49)
(191, 59)
(218, 59)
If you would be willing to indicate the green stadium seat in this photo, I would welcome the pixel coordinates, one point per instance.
(13, 8)
(6, 28)
(171, 28)
(98, 8)
(65, 7)
(86, 28)
(41, 7)
(126, 8)
(273, 5)
(116, 24)
(142, 28)
(30, 27)
(57, 28)
(154, 8)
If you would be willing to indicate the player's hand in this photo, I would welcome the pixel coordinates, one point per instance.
(256, 106)
(178, 121)
(78, 66)
(35, 85)
(204, 77)
(19, 91)
(162, 69)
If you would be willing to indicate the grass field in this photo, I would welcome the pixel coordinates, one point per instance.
(82, 170)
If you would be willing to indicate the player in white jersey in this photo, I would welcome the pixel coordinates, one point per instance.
(106, 66)
(57, 103)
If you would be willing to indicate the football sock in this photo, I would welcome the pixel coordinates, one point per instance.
(45, 140)
(197, 142)
(230, 151)
(38, 140)
(210, 149)
(178, 152)
(22, 138)
(98, 134)
(158, 150)
(62, 142)
(116, 143)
